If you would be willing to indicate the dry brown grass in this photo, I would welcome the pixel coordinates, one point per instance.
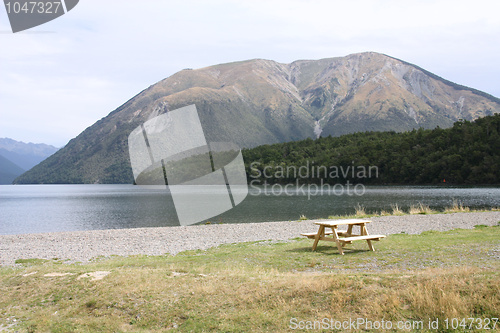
(396, 210)
(420, 209)
(360, 211)
(457, 207)
(258, 287)
(241, 300)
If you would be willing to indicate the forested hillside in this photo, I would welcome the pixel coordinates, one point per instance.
(467, 153)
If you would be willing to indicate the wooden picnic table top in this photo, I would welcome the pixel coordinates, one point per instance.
(333, 223)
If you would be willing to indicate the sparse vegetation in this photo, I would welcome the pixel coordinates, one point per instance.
(420, 209)
(30, 261)
(396, 210)
(260, 286)
(360, 212)
(457, 207)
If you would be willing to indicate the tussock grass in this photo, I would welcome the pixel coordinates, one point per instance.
(260, 286)
(457, 207)
(396, 210)
(420, 208)
(360, 211)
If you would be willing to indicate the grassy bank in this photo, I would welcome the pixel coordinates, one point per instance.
(262, 286)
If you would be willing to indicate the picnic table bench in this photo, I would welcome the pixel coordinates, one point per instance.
(341, 238)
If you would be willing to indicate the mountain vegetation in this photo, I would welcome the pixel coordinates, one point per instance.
(467, 153)
(256, 102)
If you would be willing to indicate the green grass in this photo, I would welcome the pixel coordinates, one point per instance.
(33, 261)
(260, 286)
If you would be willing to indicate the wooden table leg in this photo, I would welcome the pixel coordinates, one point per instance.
(336, 238)
(321, 233)
(364, 232)
(349, 230)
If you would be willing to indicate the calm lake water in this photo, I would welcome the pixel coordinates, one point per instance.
(48, 208)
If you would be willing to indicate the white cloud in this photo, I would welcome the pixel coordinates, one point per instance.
(88, 62)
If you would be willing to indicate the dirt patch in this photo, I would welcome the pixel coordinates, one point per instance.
(98, 275)
(57, 274)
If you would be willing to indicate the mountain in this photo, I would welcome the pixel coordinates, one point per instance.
(8, 171)
(259, 101)
(16, 157)
(25, 155)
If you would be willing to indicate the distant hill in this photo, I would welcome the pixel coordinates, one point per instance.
(25, 155)
(16, 157)
(8, 171)
(259, 101)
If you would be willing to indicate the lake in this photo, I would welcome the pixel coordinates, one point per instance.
(49, 208)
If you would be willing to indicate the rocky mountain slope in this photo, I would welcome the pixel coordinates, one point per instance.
(261, 101)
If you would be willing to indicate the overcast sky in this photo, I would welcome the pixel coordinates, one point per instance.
(61, 77)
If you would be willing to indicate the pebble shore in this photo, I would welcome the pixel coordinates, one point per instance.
(82, 246)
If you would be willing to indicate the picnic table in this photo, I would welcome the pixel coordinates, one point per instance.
(342, 237)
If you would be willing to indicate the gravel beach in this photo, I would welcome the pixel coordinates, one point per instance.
(82, 246)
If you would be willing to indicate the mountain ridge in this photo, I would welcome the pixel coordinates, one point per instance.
(18, 156)
(260, 101)
(458, 86)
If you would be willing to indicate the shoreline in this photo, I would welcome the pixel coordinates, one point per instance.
(83, 246)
